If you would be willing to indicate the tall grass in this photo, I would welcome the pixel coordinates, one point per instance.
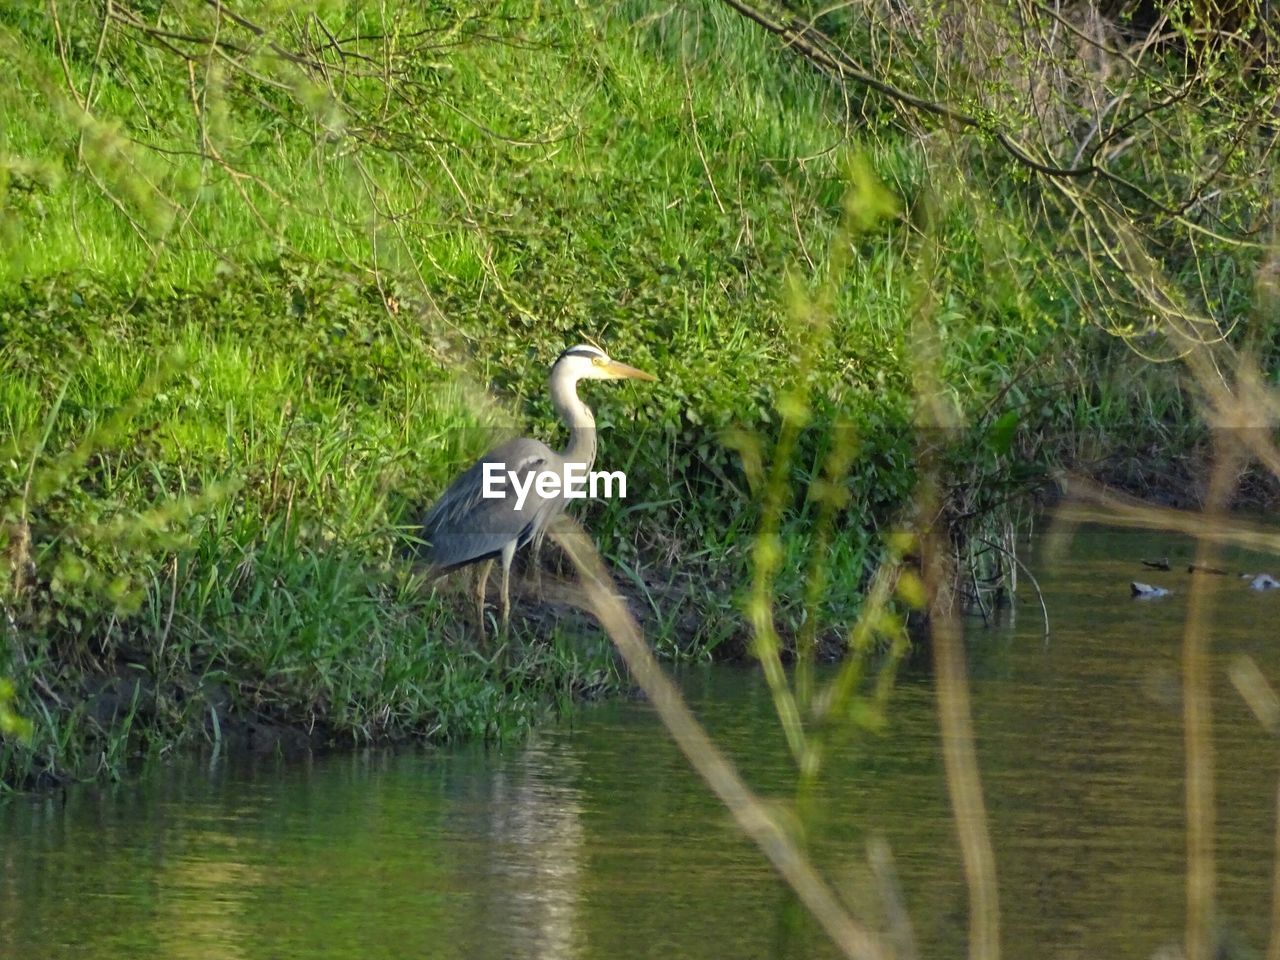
(220, 522)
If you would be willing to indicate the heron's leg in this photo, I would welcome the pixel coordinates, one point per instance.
(482, 580)
(508, 552)
(535, 558)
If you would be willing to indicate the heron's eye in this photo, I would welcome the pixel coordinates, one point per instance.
(598, 361)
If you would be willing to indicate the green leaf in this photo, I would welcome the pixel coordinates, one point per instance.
(1000, 437)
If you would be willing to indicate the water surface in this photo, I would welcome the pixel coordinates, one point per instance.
(593, 840)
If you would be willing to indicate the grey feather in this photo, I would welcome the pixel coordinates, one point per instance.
(465, 527)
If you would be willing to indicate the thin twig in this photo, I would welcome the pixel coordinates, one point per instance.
(960, 759)
(755, 819)
(1197, 706)
(1044, 609)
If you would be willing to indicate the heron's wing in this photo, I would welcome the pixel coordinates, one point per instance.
(465, 526)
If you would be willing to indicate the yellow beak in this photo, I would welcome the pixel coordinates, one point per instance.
(620, 371)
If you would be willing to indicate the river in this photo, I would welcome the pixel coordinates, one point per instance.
(593, 839)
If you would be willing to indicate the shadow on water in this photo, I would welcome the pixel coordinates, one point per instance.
(595, 840)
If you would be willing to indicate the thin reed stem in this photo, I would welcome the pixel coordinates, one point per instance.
(753, 817)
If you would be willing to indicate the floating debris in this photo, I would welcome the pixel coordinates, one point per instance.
(1264, 581)
(1145, 591)
(1205, 568)
(1161, 564)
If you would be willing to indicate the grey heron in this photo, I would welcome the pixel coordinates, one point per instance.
(477, 520)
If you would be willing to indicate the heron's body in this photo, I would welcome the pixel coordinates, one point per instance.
(465, 527)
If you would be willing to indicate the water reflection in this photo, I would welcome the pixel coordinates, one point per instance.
(536, 836)
(199, 916)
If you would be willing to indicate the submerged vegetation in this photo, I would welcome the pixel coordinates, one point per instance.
(270, 279)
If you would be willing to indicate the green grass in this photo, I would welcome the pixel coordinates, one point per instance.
(217, 517)
(251, 319)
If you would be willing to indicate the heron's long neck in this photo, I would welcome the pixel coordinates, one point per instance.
(577, 416)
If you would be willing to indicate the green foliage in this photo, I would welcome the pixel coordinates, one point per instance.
(11, 724)
(218, 507)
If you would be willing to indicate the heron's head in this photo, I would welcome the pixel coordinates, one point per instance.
(585, 362)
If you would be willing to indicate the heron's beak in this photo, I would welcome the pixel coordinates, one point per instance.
(620, 371)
